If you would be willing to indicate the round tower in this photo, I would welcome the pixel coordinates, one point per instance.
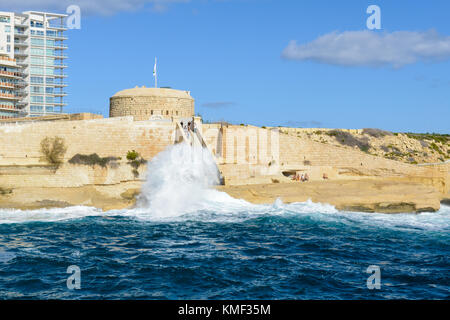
(152, 103)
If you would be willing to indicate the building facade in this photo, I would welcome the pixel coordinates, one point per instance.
(35, 41)
(10, 81)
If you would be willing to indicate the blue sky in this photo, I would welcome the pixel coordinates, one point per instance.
(229, 54)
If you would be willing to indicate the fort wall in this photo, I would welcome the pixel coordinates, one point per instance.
(244, 154)
(20, 143)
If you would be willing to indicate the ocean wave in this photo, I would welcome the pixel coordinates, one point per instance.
(178, 188)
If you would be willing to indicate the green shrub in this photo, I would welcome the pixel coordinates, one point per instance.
(92, 160)
(4, 191)
(132, 155)
(53, 150)
(135, 162)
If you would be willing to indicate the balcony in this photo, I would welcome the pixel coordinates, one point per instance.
(22, 63)
(7, 59)
(58, 94)
(24, 24)
(21, 104)
(56, 104)
(62, 66)
(21, 94)
(20, 34)
(9, 96)
(57, 37)
(6, 107)
(58, 46)
(57, 27)
(56, 85)
(60, 75)
(59, 56)
(9, 74)
(21, 84)
(22, 74)
(7, 85)
(20, 44)
(21, 53)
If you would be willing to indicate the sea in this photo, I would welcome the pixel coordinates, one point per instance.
(186, 240)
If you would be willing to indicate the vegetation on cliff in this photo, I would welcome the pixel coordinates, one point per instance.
(53, 150)
(92, 160)
(412, 148)
(135, 161)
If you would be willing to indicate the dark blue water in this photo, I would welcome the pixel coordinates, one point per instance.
(300, 251)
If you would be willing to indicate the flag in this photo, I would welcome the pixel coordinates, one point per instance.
(154, 69)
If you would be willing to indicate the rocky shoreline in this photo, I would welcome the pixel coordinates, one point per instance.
(370, 195)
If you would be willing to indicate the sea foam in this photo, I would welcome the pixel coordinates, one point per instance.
(180, 186)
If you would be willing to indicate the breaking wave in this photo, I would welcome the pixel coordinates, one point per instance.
(179, 188)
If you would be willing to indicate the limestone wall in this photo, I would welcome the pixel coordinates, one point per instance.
(243, 152)
(145, 107)
(68, 176)
(20, 143)
(295, 151)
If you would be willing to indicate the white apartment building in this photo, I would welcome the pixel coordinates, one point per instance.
(32, 60)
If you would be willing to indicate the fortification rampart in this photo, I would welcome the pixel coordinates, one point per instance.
(20, 143)
(245, 154)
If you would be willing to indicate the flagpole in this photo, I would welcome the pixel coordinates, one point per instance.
(156, 74)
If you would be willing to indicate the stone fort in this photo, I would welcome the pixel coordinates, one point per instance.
(148, 120)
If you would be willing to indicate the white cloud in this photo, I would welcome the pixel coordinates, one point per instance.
(103, 7)
(368, 48)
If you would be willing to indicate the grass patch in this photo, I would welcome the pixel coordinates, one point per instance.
(436, 137)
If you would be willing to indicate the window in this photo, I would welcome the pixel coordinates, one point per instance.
(36, 51)
(37, 89)
(37, 60)
(37, 24)
(50, 43)
(8, 38)
(7, 29)
(37, 32)
(49, 90)
(35, 108)
(8, 48)
(37, 70)
(51, 52)
(37, 99)
(37, 80)
(49, 109)
(49, 99)
(50, 80)
(37, 42)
